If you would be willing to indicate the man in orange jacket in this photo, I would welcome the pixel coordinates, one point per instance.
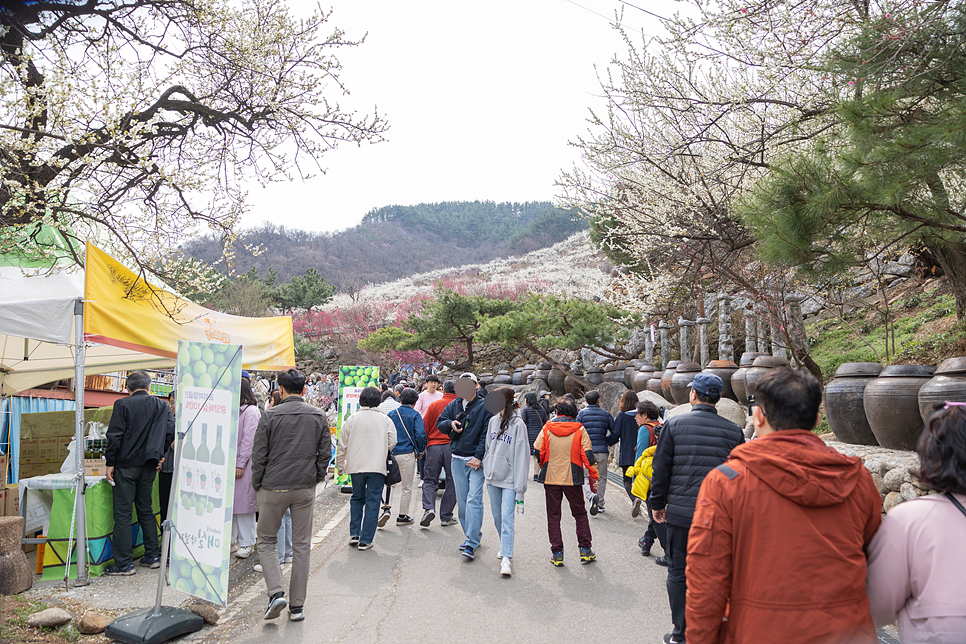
(776, 551)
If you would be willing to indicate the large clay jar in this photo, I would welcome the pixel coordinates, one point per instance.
(654, 384)
(844, 408)
(738, 377)
(614, 373)
(683, 375)
(556, 381)
(530, 379)
(724, 369)
(503, 378)
(759, 368)
(666, 379)
(595, 376)
(641, 377)
(948, 385)
(573, 387)
(485, 379)
(630, 370)
(543, 371)
(891, 404)
(517, 377)
(527, 372)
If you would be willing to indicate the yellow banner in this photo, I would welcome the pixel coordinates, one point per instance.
(123, 310)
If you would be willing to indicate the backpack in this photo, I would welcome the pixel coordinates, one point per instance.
(643, 471)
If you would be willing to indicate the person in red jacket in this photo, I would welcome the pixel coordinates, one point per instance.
(776, 550)
(438, 457)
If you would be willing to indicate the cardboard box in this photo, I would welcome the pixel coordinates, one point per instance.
(95, 466)
(28, 450)
(29, 470)
(11, 502)
(3, 470)
(64, 451)
(48, 450)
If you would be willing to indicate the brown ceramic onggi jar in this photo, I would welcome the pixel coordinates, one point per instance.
(666, 379)
(948, 385)
(759, 368)
(738, 378)
(614, 373)
(556, 382)
(891, 404)
(595, 376)
(543, 371)
(724, 369)
(573, 387)
(641, 377)
(844, 407)
(654, 384)
(683, 375)
(503, 377)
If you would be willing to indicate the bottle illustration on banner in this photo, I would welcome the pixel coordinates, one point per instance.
(216, 491)
(187, 473)
(348, 412)
(202, 457)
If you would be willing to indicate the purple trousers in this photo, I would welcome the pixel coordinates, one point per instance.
(575, 495)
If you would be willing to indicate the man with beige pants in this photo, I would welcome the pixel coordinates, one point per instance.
(410, 443)
(290, 457)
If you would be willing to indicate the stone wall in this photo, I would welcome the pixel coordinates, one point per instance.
(890, 469)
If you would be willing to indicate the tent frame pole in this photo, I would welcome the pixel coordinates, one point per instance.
(80, 490)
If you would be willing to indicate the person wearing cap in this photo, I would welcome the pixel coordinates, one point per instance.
(464, 420)
(690, 446)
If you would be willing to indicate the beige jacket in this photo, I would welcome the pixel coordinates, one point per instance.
(365, 440)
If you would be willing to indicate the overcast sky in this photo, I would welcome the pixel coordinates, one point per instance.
(482, 99)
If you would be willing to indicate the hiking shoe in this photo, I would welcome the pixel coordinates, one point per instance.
(364, 546)
(428, 517)
(661, 561)
(276, 604)
(151, 562)
(594, 505)
(295, 614)
(383, 519)
(468, 552)
(286, 560)
(449, 522)
(636, 510)
(557, 559)
(404, 519)
(505, 568)
(600, 509)
(673, 639)
(354, 540)
(645, 547)
(587, 555)
(258, 568)
(126, 570)
(244, 553)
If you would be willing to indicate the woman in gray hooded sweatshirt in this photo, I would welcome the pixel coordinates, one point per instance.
(506, 467)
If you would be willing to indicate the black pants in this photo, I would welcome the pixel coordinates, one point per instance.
(655, 530)
(164, 491)
(677, 552)
(133, 487)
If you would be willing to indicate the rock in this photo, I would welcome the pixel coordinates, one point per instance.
(92, 623)
(892, 500)
(875, 466)
(635, 344)
(679, 410)
(880, 484)
(908, 492)
(610, 396)
(15, 573)
(895, 478)
(50, 618)
(749, 430)
(536, 386)
(207, 612)
(592, 359)
(733, 411)
(657, 399)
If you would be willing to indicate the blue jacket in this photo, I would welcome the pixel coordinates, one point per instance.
(413, 427)
(625, 431)
(472, 440)
(599, 423)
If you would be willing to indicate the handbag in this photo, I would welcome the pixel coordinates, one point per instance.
(393, 475)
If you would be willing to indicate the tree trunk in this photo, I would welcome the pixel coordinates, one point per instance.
(952, 259)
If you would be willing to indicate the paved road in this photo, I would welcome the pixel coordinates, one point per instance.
(413, 586)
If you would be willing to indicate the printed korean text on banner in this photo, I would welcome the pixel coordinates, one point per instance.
(352, 380)
(209, 386)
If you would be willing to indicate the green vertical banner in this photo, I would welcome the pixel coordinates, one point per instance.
(208, 390)
(352, 380)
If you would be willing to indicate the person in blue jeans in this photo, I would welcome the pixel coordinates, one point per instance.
(464, 420)
(365, 440)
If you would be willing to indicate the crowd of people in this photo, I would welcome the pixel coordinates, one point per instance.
(780, 536)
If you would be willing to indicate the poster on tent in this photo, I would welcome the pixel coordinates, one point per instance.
(208, 389)
(352, 380)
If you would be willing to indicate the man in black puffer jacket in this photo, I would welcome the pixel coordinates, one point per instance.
(599, 425)
(690, 446)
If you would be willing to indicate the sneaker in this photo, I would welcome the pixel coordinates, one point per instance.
(428, 517)
(151, 562)
(365, 546)
(600, 509)
(286, 560)
(354, 540)
(557, 559)
(449, 522)
(234, 547)
(258, 567)
(420, 484)
(594, 505)
(661, 561)
(244, 553)
(645, 547)
(505, 568)
(383, 519)
(404, 519)
(295, 614)
(671, 639)
(636, 510)
(587, 555)
(126, 570)
(276, 604)
(468, 552)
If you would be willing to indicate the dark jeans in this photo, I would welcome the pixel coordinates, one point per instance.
(575, 496)
(677, 553)
(164, 491)
(628, 486)
(364, 504)
(133, 487)
(439, 457)
(655, 530)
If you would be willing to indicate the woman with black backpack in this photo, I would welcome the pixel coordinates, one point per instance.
(535, 417)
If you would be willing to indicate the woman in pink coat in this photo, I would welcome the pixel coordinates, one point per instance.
(246, 503)
(917, 559)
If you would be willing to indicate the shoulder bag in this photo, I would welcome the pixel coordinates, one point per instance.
(412, 439)
(956, 502)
